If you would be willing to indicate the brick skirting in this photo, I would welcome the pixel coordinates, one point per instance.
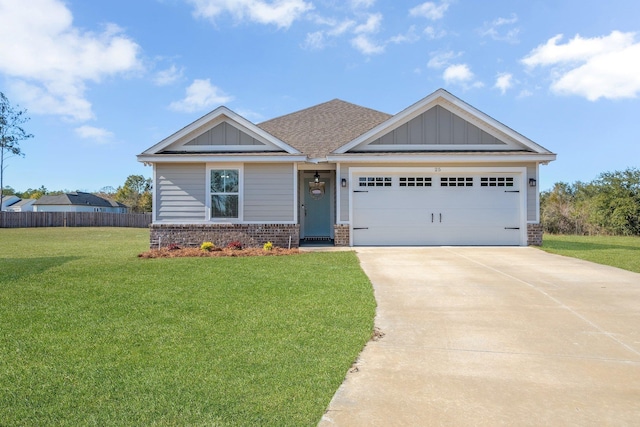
(250, 235)
(534, 234)
(341, 235)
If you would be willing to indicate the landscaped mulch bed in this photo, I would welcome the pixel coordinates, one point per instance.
(226, 252)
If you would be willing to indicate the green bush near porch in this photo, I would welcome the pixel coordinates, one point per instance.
(93, 335)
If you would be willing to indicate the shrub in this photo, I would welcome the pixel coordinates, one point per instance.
(235, 245)
(173, 247)
(267, 246)
(207, 246)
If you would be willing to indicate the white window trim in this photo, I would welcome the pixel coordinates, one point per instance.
(217, 166)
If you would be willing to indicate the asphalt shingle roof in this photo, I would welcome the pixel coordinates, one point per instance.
(317, 131)
(78, 199)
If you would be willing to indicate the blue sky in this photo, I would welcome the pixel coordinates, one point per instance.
(104, 80)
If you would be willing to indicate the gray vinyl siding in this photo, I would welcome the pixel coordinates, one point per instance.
(224, 134)
(438, 126)
(181, 192)
(269, 192)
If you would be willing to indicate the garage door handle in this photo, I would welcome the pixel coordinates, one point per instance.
(431, 217)
(511, 191)
(512, 228)
(360, 191)
(440, 217)
(360, 228)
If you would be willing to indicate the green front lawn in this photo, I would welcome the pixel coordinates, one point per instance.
(617, 251)
(90, 334)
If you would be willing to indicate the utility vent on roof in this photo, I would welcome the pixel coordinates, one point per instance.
(374, 181)
(415, 181)
(459, 181)
(496, 181)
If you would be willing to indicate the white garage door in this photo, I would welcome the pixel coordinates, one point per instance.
(434, 209)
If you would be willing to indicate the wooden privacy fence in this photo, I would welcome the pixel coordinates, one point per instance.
(73, 219)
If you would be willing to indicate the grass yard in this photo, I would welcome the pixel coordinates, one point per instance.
(90, 334)
(617, 251)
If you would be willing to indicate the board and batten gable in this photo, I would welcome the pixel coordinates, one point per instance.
(437, 126)
(224, 134)
(269, 192)
(180, 192)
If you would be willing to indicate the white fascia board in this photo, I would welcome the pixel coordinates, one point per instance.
(182, 158)
(429, 102)
(216, 116)
(441, 158)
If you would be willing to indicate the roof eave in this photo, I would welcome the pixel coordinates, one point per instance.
(213, 115)
(443, 157)
(219, 158)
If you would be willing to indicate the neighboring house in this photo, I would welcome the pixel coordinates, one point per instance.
(22, 205)
(437, 173)
(8, 201)
(77, 202)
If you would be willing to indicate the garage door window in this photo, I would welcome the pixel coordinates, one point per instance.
(456, 181)
(496, 181)
(415, 181)
(374, 181)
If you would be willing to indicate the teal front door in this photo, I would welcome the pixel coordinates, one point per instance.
(317, 210)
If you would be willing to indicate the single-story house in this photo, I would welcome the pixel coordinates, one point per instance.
(439, 172)
(77, 202)
(7, 201)
(22, 205)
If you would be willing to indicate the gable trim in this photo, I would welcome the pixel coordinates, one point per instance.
(446, 100)
(214, 118)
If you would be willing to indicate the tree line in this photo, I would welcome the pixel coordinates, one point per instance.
(135, 193)
(610, 204)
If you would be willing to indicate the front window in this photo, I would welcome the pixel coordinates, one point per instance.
(224, 193)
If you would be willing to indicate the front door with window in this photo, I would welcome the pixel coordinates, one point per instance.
(316, 209)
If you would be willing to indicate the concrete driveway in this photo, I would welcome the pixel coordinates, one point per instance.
(495, 336)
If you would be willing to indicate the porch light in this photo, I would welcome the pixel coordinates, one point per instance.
(532, 182)
(316, 178)
(343, 183)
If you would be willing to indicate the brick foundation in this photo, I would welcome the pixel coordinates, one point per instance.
(250, 235)
(341, 235)
(534, 234)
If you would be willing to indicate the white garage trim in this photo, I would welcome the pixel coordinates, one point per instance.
(520, 172)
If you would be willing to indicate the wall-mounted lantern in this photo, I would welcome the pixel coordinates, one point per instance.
(343, 183)
(532, 182)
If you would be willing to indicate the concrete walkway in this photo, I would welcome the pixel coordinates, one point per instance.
(495, 336)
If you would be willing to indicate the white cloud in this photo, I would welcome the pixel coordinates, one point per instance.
(434, 34)
(594, 68)
(504, 82)
(315, 41)
(442, 59)
(460, 74)
(366, 45)
(501, 29)
(200, 95)
(409, 37)
(365, 4)
(168, 76)
(99, 135)
(281, 13)
(49, 61)
(430, 10)
(457, 73)
(371, 26)
(525, 93)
